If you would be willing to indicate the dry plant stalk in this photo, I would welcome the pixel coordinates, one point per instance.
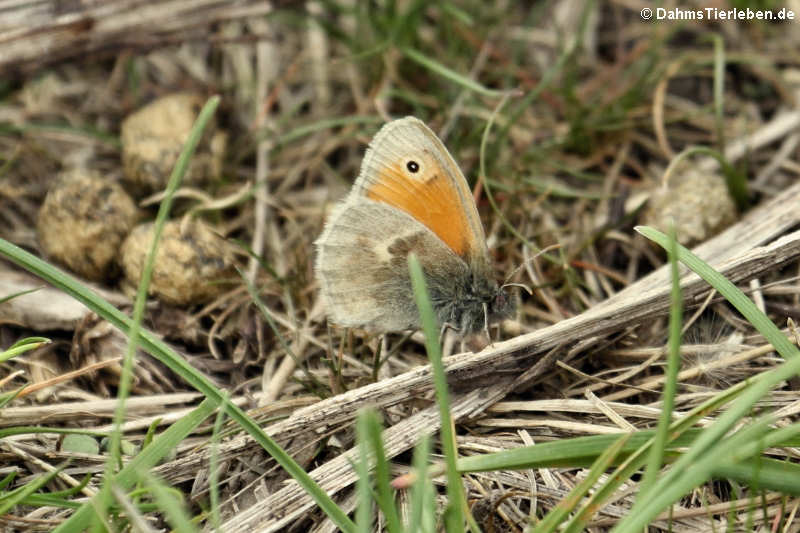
(738, 253)
(35, 34)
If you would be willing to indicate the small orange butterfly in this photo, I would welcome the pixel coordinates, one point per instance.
(409, 197)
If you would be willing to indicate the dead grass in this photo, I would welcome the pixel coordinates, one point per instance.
(607, 102)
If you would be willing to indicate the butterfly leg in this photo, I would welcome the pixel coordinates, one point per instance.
(486, 322)
(445, 327)
(446, 340)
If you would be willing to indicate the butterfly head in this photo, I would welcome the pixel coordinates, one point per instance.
(475, 301)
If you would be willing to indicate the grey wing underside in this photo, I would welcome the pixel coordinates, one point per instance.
(362, 265)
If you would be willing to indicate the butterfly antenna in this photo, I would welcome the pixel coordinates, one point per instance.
(522, 285)
(525, 263)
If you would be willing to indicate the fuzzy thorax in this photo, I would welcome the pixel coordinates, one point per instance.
(468, 301)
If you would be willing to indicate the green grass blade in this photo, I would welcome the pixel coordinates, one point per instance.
(321, 125)
(21, 346)
(143, 462)
(420, 506)
(126, 376)
(10, 297)
(213, 470)
(363, 485)
(169, 504)
(158, 349)
(385, 495)
(31, 430)
(679, 432)
(19, 495)
(578, 451)
(700, 457)
(780, 476)
(656, 455)
(454, 515)
(730, 292)
(6, 481)
(448, 73)
(745, 442)
(566, 506)
(575, 452)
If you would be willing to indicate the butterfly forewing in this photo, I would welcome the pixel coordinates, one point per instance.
(408, 167)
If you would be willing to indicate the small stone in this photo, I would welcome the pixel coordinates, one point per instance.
(699, 205)
(192, 262)
(83, 221)
(153, 137)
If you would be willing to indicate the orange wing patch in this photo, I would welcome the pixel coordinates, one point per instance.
(431, 199)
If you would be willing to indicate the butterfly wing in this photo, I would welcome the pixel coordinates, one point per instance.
(362, 265)
(407, 167)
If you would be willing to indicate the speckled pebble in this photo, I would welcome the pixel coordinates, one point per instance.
(83, 221)
(189, 265)
(698, 203)
(153, 137)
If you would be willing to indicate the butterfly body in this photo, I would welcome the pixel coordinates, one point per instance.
(409, 198)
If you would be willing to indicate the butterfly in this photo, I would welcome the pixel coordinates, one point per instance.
(410, 197)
